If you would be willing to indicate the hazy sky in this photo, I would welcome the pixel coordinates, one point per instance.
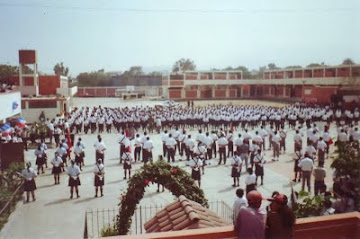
(93, 34)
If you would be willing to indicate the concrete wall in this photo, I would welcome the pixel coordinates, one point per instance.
(32, 115)
(110, 91)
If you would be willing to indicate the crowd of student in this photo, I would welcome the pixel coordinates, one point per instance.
(244, 150)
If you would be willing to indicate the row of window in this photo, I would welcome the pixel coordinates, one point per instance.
(39, 104)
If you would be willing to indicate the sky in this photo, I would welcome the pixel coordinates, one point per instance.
(89, 35)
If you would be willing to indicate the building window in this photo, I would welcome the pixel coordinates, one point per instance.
(23, 104)
(42, 104)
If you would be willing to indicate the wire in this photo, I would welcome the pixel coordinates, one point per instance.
(174, 10)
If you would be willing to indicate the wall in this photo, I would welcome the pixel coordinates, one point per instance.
(48, 84)
(346, 225)
(174, 94)
(220, 93)
(10, 104)
(191, 94)
(10, 153)
(27, 56)
(318, 94)
(110, 91)
(32, 115)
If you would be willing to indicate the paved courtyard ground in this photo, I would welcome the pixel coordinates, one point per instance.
(54, 215)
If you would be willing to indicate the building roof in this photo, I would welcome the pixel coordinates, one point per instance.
(183, 214)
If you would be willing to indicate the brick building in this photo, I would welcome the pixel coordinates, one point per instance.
(315, 84)
(49, 93)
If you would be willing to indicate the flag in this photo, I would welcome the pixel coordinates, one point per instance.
(5, 130)
(21, 123)
(331, 141)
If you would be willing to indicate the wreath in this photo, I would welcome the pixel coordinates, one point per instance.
(176, 180)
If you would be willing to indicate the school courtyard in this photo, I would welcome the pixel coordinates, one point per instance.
(54, 215)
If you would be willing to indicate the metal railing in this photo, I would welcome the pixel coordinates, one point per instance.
(97, 220)
(11, 202)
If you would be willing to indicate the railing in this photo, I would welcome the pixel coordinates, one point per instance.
(96, 220)
(9, 205)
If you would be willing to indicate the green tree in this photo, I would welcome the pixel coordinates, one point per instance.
(313, 65)
(155, 73)
(245, 71)
(60, 69)
(184, 65)
(346, 162)
(294, 67)
(133, 71)
(6, 71)
(229, 68)
(95, 78)
(272, 66)
(348, 61)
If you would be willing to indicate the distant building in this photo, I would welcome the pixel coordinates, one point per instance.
(312, 84)
(141, 80)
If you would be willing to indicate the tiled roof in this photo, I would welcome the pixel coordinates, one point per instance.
(183, 214)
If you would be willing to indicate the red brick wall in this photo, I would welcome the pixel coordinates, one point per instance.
(48, 84)
(191, 77)
(111, 92)
(318, 73)
(246, 90)
(90, 92)
(298, 91)
(220, 93)
(279, 91)
(220, 77)
(191, 93)
(176, 82)
(298, 74)
(28, 80)
(318, 94)
(288, 91)
(206, 94)
(27, 56)
(343, 72)
(174, 94)
(100, 92)
(80, 91)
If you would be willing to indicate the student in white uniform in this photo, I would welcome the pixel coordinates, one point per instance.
(74, 180)
(99, 149)
(29, 175)
(99, 180)
(56, 170)
(236, 164)
(78, 151)
(170, 145)
(196, 164)
(127, 160)
(137, 144)
(276, 146)
(147, 150)
(250, 180)
(222, 142)
(40, 158)
(259, 162)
